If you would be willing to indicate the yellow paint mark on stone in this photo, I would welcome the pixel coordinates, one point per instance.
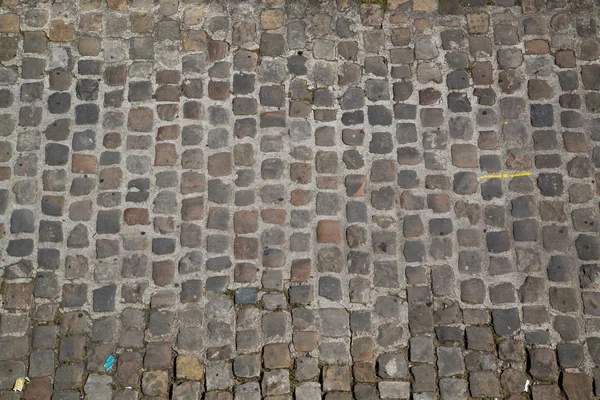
(504, 176)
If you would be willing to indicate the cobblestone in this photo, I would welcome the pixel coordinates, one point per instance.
(284, 199)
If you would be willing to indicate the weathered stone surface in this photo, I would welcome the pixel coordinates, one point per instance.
(229, 201)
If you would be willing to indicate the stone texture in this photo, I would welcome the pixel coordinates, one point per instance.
(204, 192)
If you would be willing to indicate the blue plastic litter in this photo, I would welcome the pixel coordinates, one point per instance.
(110, 361)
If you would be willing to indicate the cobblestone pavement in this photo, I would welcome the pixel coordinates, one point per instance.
(265, 200)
